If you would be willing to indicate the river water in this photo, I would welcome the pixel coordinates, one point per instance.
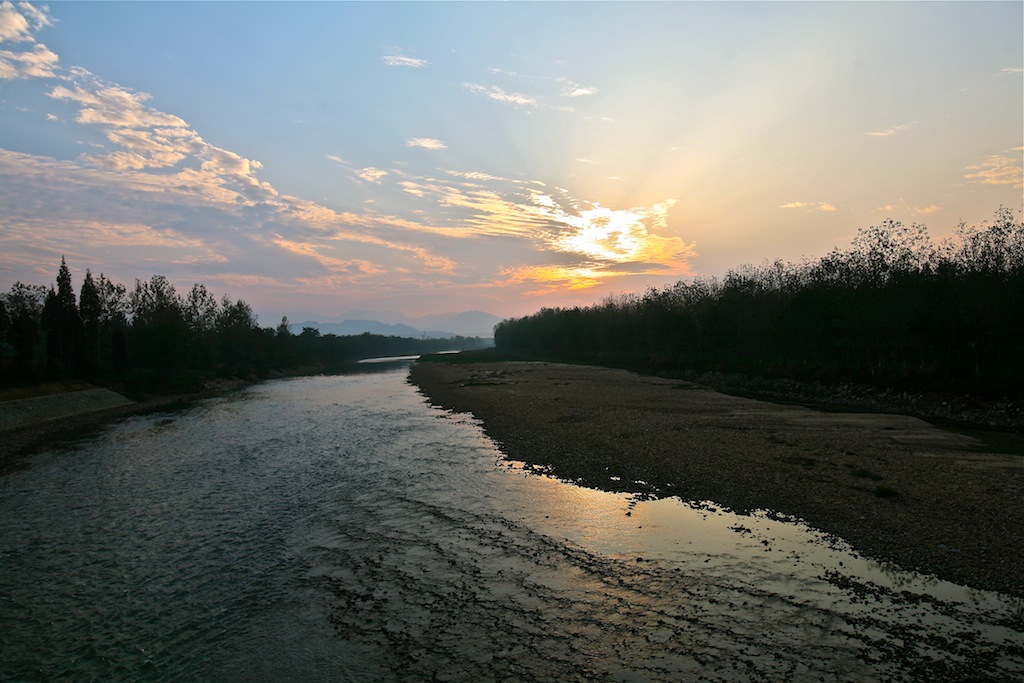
(339, 528)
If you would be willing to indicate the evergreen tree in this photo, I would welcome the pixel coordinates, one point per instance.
(63, 325)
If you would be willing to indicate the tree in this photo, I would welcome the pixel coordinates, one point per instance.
(24, 304)
(891, 247)
(240, 337)
(201, 313)
(158, 332)
(90, 309)
(5, 321)
(63, 325)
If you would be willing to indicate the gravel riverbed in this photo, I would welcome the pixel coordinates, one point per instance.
(896, 487)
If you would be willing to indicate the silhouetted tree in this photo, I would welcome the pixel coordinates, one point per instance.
(24, 304)
(891, 310)
(90, 309)
(63, 325)
(158, 332)
(241, 344)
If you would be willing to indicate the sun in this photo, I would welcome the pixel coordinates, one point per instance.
(606, 234)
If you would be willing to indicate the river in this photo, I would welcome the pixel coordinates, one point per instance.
(339, 528)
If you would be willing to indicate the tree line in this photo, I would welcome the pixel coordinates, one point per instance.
(892, 310)
(153, 338)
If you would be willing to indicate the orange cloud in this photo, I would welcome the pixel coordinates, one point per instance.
(810, 206)
(999, 169)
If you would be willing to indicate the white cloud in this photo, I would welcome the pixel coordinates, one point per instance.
(888, 132)
(810, 206)
(499, 95)
(903, 207)
(372, 175)
(425, 143)
(571, 89)
(472, 175)
(147, 138)
(18, 23)
(1012, 70)
(115, 106)
(39, 62)
(402, 60)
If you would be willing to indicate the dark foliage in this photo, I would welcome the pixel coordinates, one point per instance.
(152, 338)
(892, 310)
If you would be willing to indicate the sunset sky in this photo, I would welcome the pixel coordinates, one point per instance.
(432, 157)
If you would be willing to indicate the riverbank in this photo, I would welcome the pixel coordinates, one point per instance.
(897, 488)
(44, 419)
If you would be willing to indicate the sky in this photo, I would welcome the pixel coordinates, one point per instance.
(429, 157)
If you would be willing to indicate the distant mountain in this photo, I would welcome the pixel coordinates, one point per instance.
(466, 323)
(391, 324)
(354, 327)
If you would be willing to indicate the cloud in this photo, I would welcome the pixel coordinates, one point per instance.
(330, 263)
(571, 89)
(38, 62)
(583, 243)
(472, 175)
(148, 139)
(102, 218)
(903, 207)
(116, 107)
(152, 193)
(810, 206)
(402, 60)
(372, 175)
(1012, 70)
(499, 95)
(998, 169)
(889, 132)
(549, 88)
(425, 143)
(17, 25)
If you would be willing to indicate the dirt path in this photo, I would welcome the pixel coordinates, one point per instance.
(895, 487)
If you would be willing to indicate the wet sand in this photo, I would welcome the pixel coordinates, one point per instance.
(897, 488)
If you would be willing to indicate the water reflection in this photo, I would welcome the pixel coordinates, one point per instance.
(765, 548)
(339, 528)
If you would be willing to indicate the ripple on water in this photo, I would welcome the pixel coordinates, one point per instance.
(339, 528)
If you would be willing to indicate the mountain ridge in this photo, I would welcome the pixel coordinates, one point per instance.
(389, 323)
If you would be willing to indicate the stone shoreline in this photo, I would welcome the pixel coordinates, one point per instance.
(897, 488)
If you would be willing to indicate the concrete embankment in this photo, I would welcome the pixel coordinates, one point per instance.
(39, 409)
